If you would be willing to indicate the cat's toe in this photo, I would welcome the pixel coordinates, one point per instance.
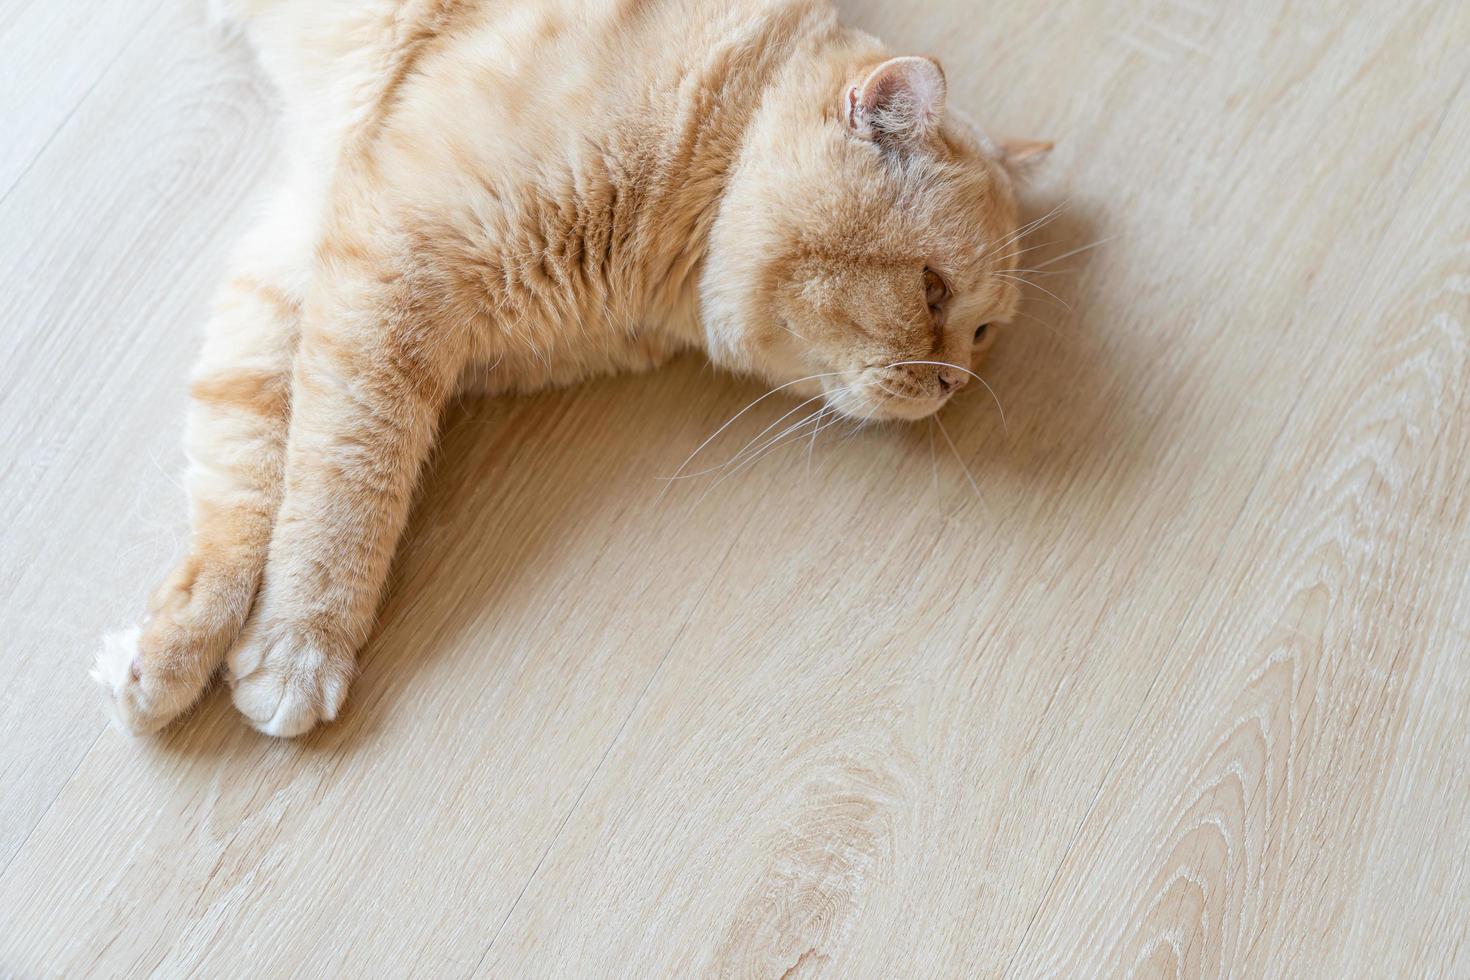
(285, 685)
(142, 702)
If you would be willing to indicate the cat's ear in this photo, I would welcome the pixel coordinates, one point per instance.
(1020, 157)
(899, 105)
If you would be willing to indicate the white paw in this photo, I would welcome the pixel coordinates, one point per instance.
(285, 684)
(140, 705)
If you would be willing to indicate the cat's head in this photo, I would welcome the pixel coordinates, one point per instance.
(865, 240)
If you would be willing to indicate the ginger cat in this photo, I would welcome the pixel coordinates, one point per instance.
(509, 194)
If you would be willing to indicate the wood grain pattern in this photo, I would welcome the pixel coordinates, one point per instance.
(1179, 687)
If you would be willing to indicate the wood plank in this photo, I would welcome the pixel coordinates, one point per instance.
(55, 54)
(908, 790)
(1305, 724)
(1180, 685)
(111, 245)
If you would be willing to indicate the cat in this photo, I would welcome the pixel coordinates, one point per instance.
(500, 195)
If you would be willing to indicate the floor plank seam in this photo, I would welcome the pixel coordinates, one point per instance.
(612, 744)
(60, 791)
(81, 101)
(1246, 506)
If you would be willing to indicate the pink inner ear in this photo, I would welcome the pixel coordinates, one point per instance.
(901, 101)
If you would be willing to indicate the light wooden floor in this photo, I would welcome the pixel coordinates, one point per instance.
(1184, 689)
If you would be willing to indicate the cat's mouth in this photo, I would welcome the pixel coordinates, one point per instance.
(873, 396)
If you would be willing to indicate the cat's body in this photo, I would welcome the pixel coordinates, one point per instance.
(504, 194)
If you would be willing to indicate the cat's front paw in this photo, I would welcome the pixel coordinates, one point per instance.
(285, 682)
(142, 700)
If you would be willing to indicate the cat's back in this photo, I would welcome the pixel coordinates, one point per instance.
(362, 54)
(500, 139)
(495, 101)
(525, 69)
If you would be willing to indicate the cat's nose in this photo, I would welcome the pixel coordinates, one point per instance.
(952, 379)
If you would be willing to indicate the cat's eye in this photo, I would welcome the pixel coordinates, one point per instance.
(936, 291)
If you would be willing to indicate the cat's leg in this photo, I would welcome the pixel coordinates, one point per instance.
(235, 439)
(367, 397)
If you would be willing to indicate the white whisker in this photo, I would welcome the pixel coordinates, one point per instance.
(1030, 248)
(959, 459)
(972, 374)
(862, 423)
(1079, 251)
(933, 458)
(715, 435)
(748, 443)
(1027, 282)
(1026, 229)
(770, 446)
(812, 444)
(837, 392)
(835, 419)
(783, 437)
(1029, 227)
